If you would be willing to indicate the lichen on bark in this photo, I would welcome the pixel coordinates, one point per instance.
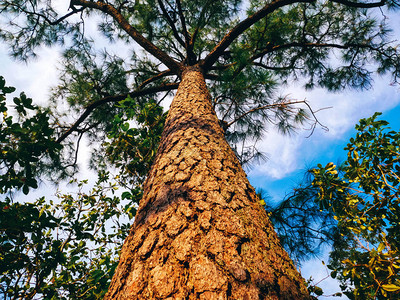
(200, 231)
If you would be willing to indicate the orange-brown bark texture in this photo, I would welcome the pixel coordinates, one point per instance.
(200, 231)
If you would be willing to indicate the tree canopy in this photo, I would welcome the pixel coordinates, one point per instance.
(249, 50)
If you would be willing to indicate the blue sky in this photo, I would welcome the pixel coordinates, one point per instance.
(289, 156)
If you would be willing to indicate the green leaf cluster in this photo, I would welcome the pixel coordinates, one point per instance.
(68, 248)
(26, 142)
(65, 248)
(363, 194)
(133, 140)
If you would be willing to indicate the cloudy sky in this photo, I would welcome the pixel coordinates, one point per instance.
(288, 156)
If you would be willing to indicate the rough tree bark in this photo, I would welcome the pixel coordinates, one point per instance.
(200, 231)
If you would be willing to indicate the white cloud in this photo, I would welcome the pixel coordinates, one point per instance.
(290, 153)
(281, 152)
(34, 77)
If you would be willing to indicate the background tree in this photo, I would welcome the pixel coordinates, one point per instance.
(65, 248)
(274, 43)
(354, 209)
(363, 195)
(28, 146)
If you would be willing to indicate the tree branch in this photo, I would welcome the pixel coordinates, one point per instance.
(219, 49)
(191, 57)
(360, 4)
(171, 23)
(154, 78)
(199, 25)
(132, 32)
(275, 68)
(93, 105)
(271, 48)
(40, 15)
(183, 22)
(268, 106)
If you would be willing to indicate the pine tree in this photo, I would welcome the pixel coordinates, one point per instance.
(200, 231)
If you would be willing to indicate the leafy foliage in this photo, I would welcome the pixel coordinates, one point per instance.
(363, 194)
(133, 149)
(68, 248)
(297, 42)
(63, 249)
(25, 144)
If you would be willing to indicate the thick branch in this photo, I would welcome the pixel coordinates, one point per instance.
(191, 57)
(360, 4)
(140, 39)
(109, 99)
(271, 48)
(199, 25)
(242, 26)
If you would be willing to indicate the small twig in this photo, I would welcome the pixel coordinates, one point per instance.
(76, 151)
(316, 119)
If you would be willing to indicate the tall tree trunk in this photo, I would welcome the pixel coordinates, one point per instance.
(200, 231)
